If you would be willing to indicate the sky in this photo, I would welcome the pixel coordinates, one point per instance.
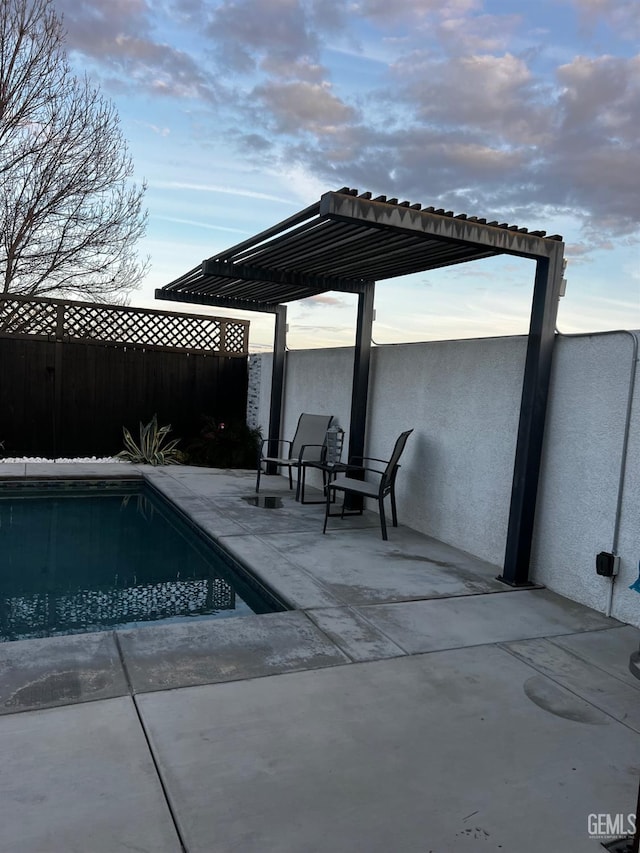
(240, 113)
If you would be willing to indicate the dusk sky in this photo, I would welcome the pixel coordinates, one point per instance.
(238, 114)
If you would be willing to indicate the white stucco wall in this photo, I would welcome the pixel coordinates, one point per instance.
(462, 399)
(580, 474)
(318, 385)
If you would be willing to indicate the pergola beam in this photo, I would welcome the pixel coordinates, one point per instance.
(315, 283)
(216, 301)
(348, 208)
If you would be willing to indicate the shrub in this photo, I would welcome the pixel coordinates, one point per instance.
(223, 444)
(155, 448)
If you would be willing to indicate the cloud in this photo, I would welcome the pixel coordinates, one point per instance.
(198, 224)
(244, 30)
(593, 159)
(189, 12)
(255, 143)
(489, 135)
(622, 16)
(302, 69)
(154, 128)
(329, 15)
(119, 35)
(217, 188)
(383, 10)
(466, 35)
(322, 299)
(305, 106)
(577, 253)
(163, 70)
(601, 97)
(493, 95)
(94, 24)
(464, 108)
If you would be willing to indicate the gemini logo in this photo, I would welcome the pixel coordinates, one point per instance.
(607, 826)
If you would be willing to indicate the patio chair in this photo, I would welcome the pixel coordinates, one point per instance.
(306, 444)
(362, 488)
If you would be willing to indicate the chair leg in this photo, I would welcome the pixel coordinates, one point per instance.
(383, 520)
(327, 506)
(394, 514)
(326, 482)
(258, 477)
(290, 478)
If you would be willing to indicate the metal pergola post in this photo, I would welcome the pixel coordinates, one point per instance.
(277, 383)
(361, 362)
(360, 383)
(535, 392)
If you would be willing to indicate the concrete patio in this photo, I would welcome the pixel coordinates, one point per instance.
(408, 701)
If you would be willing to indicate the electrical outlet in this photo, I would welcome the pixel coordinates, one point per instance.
(607, 564)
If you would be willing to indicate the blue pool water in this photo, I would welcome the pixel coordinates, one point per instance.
(78, 556)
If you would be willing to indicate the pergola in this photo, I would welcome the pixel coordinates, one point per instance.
(346, 242)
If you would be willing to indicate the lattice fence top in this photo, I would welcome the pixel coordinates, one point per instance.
(65, 320)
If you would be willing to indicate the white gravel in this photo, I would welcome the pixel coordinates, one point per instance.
(92, 459)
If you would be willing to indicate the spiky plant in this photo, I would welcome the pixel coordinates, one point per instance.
(155, 448)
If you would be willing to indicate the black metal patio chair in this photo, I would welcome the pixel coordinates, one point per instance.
(306, 444)
(363, 488)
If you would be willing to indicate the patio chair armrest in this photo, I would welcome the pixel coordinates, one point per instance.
(364, 469)
(367, 459)
(372, 470)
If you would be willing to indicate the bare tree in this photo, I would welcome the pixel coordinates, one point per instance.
(69, 215)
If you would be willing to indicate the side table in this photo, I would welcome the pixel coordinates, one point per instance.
(330, 471)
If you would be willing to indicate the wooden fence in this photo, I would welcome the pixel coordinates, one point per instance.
(73, 373)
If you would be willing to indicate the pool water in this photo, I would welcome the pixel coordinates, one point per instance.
(78, 556)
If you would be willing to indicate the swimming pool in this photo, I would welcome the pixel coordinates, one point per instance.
(79, 556)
